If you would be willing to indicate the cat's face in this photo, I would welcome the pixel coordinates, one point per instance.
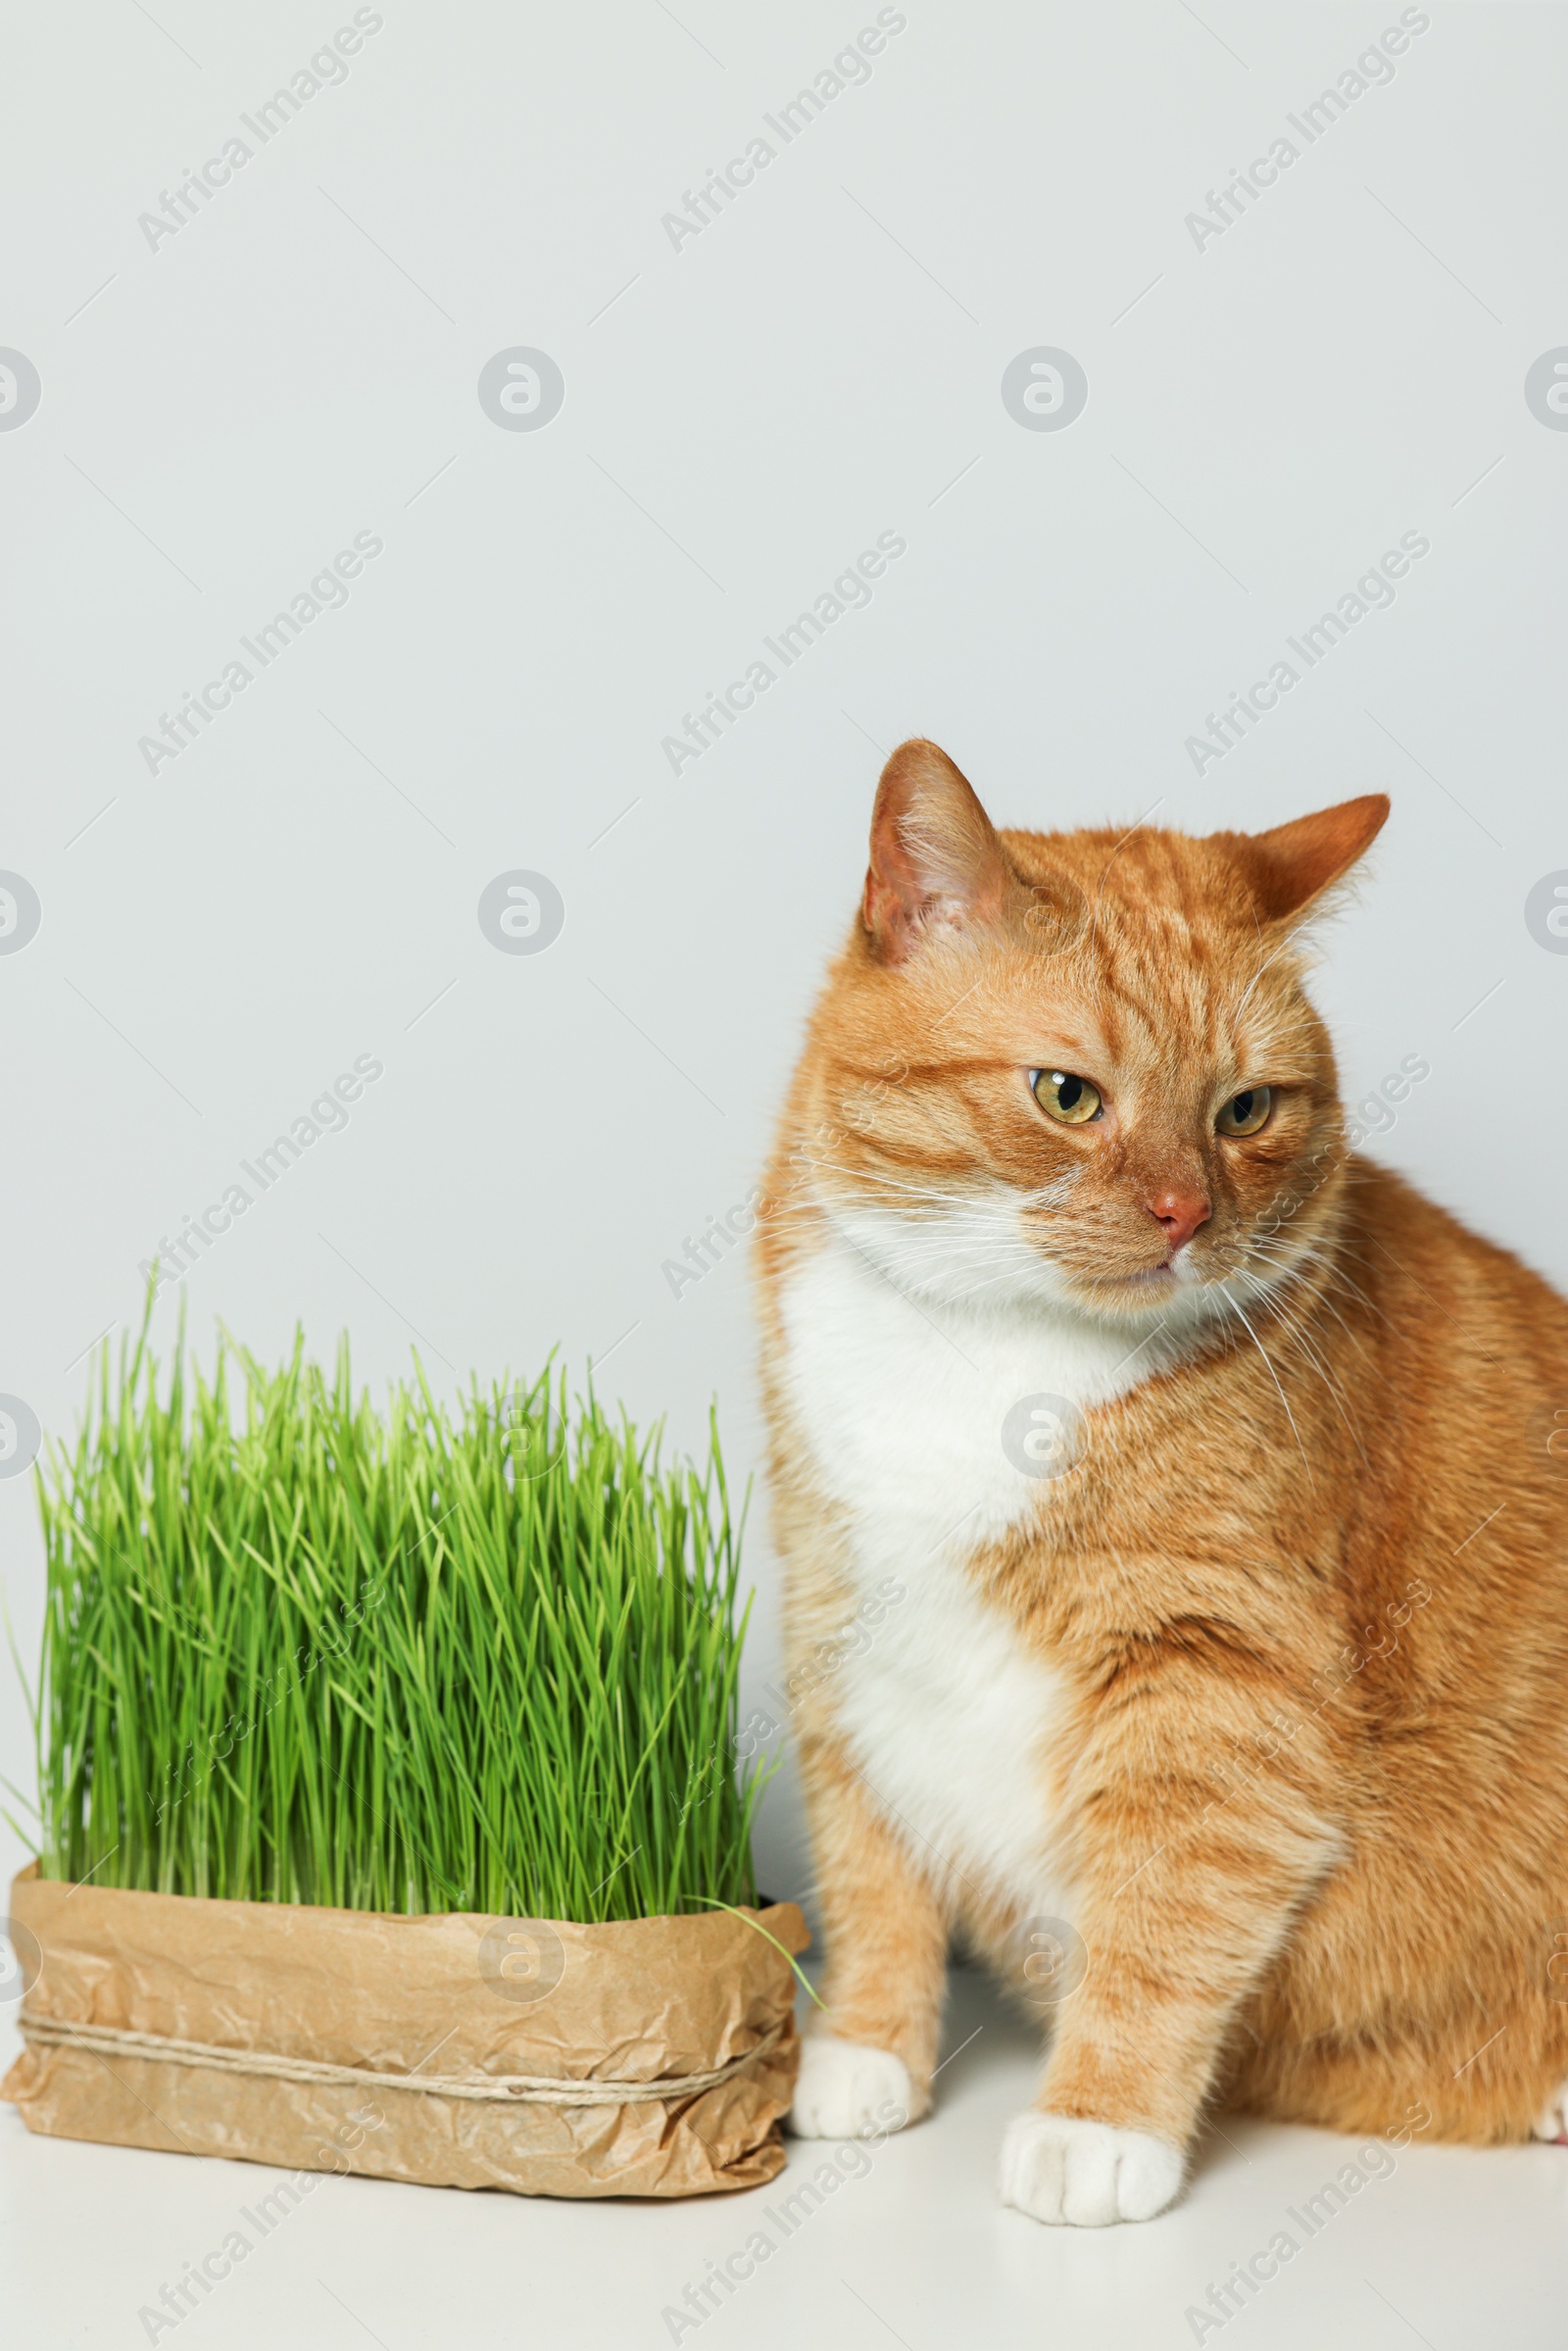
(1079, 1069)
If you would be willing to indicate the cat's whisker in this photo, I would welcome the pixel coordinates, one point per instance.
(1300, 1339)
(1274, 1376)
(865, 1175)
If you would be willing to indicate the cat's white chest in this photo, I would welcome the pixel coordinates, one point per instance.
(903, 1407)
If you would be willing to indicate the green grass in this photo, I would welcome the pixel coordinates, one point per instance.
(299, 1649)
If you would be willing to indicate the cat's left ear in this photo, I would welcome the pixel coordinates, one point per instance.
(1290, 867)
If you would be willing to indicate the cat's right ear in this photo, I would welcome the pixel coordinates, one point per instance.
(936, 861)
(1294, 867)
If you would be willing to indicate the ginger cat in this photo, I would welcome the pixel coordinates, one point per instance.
(1222, 1697)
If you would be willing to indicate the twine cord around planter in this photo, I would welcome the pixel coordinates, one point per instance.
(113, 2041)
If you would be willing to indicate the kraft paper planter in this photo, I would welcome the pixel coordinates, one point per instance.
(647, 2057)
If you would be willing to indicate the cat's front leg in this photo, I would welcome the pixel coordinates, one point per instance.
(866, 2063)
(1186, 1895)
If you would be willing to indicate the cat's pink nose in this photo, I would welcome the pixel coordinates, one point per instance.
(1180, 1213)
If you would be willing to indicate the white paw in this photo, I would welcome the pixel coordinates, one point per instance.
(847, 2091)
(1085, 2174)
(1553, 2120)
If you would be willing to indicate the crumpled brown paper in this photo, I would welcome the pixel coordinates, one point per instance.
(458, 1995)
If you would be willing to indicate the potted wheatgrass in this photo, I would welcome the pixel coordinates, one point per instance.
(389, 1812)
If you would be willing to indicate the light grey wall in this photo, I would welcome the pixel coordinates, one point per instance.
(1270, 407)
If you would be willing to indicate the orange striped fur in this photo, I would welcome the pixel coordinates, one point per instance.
(1293, 1761)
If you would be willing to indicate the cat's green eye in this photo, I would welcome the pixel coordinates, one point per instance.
(1246, 1112)
(1070, 1100)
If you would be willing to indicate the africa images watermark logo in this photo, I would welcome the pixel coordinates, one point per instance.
(522, 1960)
(326, 592)
(773, 2225)
(850, 592)
(20, 1956)
(1545, 913)
(1052, 1962)
(1373, 2160)
(198, 2280)
(1043, 389)
(21, 912)
(1374, 591)
(20, 389)
(21, 1436)
(1374, 1114)
(327, 1115)
(522, 388)
(714, 1243)
(327, 68)
(1546, 388)
(850, 69)
(521, 913)
(1045, 1436)
(1372, 69)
